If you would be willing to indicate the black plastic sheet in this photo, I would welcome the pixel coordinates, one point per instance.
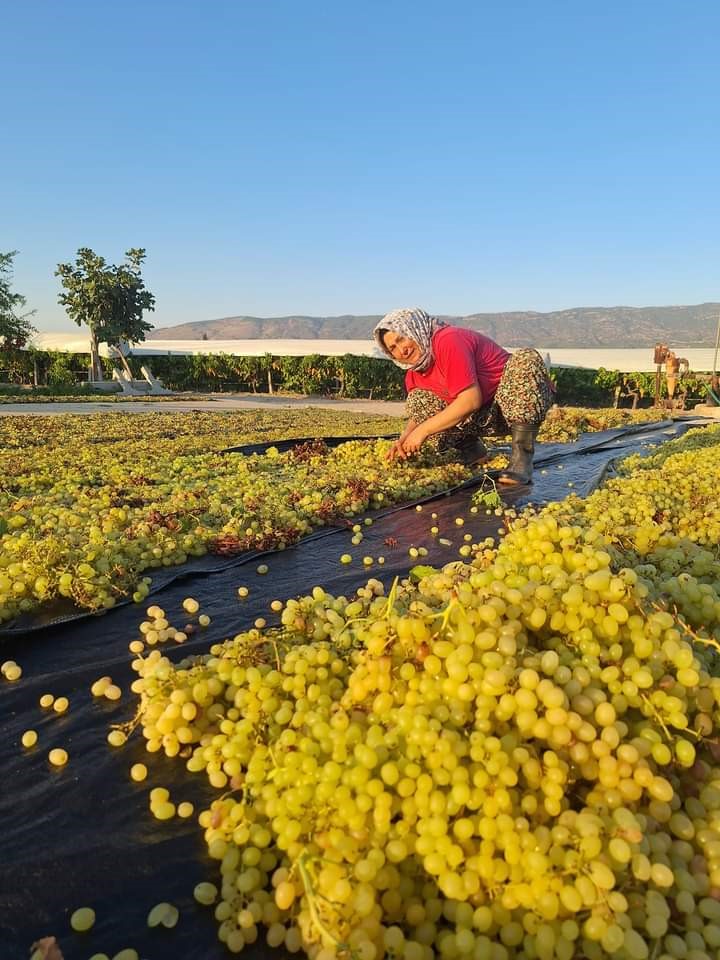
(83, 835)
(597, 450)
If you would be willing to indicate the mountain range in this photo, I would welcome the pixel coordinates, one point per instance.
(678, 326)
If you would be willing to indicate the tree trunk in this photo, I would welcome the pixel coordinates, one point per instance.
(270, 384)
(95, 365)
(124, 363)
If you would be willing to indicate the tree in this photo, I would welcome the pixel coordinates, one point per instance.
(109, 299)
(15, 328)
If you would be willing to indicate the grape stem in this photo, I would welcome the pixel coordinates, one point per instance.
(302, 864)
(129, 726)
(707, 641)
(277, 654)
(445, 615)
(389, 606)
(484, 497)
(392, 596)
(659, 719)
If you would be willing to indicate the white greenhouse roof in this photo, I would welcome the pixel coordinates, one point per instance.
(630, 360)
(635, 359)
(65, 343)
(77, 343)
(257, 348)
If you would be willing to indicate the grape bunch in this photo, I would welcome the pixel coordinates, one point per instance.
(510, 758)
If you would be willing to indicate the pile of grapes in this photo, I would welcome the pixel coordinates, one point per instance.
(90, 505)
(140, 435)
(565, 424)
(514, 757)
(92, 541)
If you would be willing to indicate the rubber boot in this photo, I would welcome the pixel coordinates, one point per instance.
(472, 453)
(519, 470)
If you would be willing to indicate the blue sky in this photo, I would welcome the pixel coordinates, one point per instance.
(334, 157)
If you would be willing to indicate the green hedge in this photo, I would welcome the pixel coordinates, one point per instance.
(55, 369)
(602, 387)
(347, 376)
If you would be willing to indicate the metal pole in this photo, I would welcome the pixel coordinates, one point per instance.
(713, 378)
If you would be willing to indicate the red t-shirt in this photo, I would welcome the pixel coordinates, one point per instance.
(462, 358)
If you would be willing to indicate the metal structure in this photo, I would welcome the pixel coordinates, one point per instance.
(714, 393)
(676, 369)
(711, 407)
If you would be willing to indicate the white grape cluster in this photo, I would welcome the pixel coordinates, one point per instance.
(514, 758)
(506, 760)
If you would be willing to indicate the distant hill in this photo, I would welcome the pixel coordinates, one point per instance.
(681, 326)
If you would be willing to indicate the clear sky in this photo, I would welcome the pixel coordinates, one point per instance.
(293, 156)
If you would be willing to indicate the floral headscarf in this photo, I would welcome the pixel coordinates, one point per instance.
(415, 324)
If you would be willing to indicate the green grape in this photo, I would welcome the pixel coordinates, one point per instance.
(163, 914)
(82, 919)
(634, 946)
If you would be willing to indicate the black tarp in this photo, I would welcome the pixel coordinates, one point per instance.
(83, 835)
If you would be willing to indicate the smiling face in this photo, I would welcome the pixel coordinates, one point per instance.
(403, 349)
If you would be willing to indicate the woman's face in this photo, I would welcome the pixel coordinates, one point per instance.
(401, 348)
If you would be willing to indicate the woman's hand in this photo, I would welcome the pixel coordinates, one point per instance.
(414, 440)
(396, 451)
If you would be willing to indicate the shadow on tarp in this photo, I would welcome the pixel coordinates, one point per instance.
(83, 835)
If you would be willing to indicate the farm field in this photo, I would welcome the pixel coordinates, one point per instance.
(513, 754)
(90, 505)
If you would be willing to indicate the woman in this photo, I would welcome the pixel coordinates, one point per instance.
(462, 385)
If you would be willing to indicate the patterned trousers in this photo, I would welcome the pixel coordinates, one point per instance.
(524, 395)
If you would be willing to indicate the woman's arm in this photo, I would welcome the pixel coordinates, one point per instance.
(466, 403)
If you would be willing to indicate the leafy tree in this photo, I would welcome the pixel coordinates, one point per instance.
(109, 299)
(15, 328)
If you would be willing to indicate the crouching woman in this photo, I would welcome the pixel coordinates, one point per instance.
(462, 386)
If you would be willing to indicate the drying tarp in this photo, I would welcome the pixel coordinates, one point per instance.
(587, 458)
(83, 835)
